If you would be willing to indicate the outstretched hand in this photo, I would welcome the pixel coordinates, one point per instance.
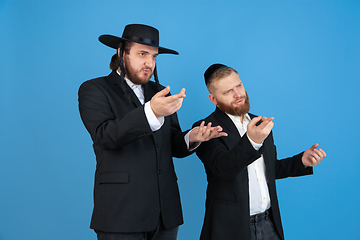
(313, 156)
(204, 133)
(258, 133)
(163, 106)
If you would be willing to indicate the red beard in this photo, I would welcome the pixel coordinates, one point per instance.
(236, 110)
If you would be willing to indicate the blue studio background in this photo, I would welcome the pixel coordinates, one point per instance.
(299, 61)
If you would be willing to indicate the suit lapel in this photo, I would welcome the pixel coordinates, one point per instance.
(116, 79)
(229, 127)
(148, 91)
(134, 98)
(265, 153)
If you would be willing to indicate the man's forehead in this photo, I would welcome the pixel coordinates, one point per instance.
(232, 79)
(144, 48)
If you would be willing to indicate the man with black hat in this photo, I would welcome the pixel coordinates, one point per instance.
(241, 168)
(135, 131)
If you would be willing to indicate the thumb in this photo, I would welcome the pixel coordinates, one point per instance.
(315, 146)
(182, 93)
(163, 92)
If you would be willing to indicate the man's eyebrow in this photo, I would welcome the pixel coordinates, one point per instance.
(144, 51)
(227, 90)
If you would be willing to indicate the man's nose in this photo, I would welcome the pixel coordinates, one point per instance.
(150, 62)
(237, 93)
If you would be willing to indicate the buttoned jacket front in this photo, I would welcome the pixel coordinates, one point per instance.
(227, 214)
(135, 178)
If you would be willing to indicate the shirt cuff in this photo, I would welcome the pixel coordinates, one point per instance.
(255, 145)
(154, 122)
(187, 140)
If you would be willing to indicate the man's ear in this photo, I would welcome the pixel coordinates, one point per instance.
(118, 53)
(212, 98)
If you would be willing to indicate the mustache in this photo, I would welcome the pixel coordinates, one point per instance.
(146, 68)
(240, 98)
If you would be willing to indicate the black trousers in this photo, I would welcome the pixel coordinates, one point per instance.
(159, 233)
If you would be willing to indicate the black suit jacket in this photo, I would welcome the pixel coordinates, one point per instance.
(134, 178)
(227, 214)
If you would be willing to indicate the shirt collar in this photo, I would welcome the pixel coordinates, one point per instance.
(130, 83)
(237, 118)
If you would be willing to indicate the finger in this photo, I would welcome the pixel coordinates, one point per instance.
(267, 123)
(216, 134)
(181, 94)
(205, 131)
(208, 130)
(201, 127)
(175, 98)
(221, 134)
(315, 155)
(267, 120)
(253, 121)
(172, 106)
(314, 161)
(163, 92)
(219, 128)
(213, 132)
(323, 152)
(320, 153)
(179, 104)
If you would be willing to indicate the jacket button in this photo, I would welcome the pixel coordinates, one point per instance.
(157, 145)
(159, 172)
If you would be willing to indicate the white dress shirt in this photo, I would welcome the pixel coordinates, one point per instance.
(259, 197)
(155, 123)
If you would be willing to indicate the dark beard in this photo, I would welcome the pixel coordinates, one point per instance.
(236, 110)
(133, 77)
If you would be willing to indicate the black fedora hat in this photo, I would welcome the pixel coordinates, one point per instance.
(138, 33)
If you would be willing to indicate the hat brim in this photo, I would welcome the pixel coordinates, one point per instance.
(114, 41)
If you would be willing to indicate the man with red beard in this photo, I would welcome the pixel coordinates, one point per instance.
(135, 131)
(242, 167)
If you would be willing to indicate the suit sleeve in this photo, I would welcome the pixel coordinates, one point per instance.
(223, 162)
(291, 167)
(107, 130)
(227, 163)
(287, 167)
(179, 146)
